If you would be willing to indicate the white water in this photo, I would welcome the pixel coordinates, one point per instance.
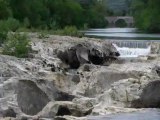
(132, 52)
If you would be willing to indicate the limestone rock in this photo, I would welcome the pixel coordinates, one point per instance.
(86, 52)
(29, 95)
(126, 90)
(27, 85)
(31, 98)
(150, 97)
(60, 108)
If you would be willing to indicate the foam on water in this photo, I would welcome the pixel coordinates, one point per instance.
(132, 52)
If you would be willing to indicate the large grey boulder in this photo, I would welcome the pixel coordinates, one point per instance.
(31, 99)
(29, 95)
(87, 52)
(150, 97)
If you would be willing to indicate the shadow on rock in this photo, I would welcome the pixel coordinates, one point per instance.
(150, 97)
(31, 99)
(32, 96)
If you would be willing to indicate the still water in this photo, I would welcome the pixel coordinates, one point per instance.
(150, 114)
(121, 33)
(128, 41)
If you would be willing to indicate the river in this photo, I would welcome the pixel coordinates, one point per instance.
(129, 41)
(121, 33)
(148, 114)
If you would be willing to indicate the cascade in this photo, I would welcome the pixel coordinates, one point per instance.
(136, 50)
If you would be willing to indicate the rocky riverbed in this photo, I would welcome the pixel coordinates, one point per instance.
(68, 78)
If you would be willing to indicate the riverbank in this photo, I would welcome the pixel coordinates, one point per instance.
(73, 78)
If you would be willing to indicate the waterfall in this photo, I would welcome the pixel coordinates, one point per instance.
(133, 52)
(131, 44)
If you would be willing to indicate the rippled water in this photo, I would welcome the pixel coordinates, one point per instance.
(150, 114)
(121, 33)
(128, 41)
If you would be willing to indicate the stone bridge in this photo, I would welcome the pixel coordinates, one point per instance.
(113, 19)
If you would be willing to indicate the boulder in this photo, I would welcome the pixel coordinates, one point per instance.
(126, 90)
(87, 52)
(150, 97)
(29, 95)
(61, 108)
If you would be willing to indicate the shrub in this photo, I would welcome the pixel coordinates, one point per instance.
(16, 45)
(3, 32)
(69, 31)
(26, 23)
(10, 24)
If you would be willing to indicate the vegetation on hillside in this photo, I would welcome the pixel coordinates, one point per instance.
(63, 17)
(54, 14)
(146, 13)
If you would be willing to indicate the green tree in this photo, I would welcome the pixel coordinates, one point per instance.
(34, 10)
(146, 13)
(5, 10)
(55, 14)
(65, 13)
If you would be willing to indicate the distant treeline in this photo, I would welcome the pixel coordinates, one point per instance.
(54, 14)
(147, 15)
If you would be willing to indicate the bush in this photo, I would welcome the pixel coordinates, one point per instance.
(10, 24)
(26, 23)
(69, 31)
(3, 32)
(16, 45)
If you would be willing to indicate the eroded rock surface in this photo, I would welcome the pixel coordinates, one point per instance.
(60, 108)
(46, 87)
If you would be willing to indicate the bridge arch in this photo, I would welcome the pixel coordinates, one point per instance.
(120, 23)
(113, 19)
